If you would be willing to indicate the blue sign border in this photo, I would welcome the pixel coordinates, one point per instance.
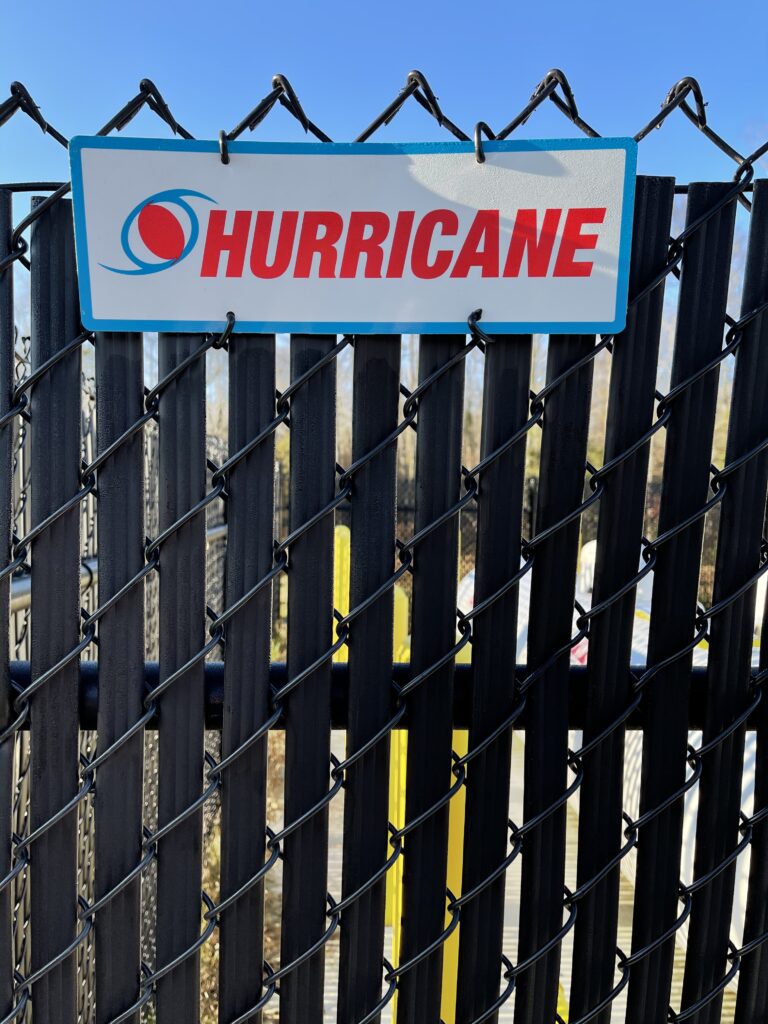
(81, 142)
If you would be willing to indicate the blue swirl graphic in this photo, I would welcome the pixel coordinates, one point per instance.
(174, 197)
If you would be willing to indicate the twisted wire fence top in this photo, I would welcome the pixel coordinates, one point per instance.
(685, 95)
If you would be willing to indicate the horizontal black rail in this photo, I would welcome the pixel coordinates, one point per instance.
(278, 677)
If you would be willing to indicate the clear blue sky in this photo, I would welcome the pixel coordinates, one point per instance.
(83, 59)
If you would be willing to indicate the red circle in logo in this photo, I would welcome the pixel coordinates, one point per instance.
(161, 232)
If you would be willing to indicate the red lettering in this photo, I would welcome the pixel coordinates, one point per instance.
(311, 242)
(217, 241)
(365, 236)
(449, 224)
(525, 236)
(573, 240)
(484, 231)
(262, 233)
(400, 239)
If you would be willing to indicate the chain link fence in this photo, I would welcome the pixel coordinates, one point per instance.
(161, 680)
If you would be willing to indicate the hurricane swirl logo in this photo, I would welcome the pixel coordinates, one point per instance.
(160, 232)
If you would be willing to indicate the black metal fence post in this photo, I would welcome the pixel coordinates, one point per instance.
(55, 440)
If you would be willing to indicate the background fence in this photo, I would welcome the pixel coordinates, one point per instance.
(155, 741)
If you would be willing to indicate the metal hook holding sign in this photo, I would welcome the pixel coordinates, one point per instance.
(481, 128)
(224, 146)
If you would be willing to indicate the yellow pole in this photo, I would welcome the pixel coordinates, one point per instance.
(341, 558)
(398, 756)
(562, 1005)
(455, 867)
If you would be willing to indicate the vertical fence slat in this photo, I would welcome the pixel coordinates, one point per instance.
(494, 652)
(250, 515)
(742, 513)
(699, 334)
(433, 633)
(620, 528)
(553, 582)
(182, 480)
(375, 398)
(752, 998)
(119, 403)
(7, 435)
(307, 716)
(55, 440)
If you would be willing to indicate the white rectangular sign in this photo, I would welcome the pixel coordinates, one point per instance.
(352, 237)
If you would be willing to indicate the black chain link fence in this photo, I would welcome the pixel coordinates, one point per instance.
(126, 678)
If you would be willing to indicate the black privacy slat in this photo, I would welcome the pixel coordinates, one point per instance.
(685, 490)
(119, 796)
(55, 439)
(246, 671)
(182, 634)
(7, 438)
(620, 528)
(752, 1000)
(307, 716)
(376, 392)
(494, 649)
(742, 515)
(553, 581)
(433, 631)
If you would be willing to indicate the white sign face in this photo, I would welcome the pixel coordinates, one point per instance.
(359, 238)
